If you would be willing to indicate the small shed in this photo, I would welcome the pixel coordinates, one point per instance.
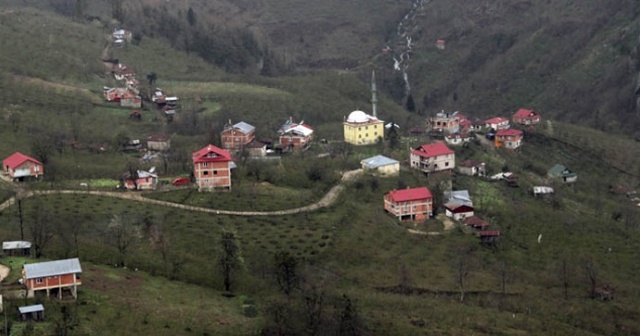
(561, 172)
(476, 223)
(458, 211)
(32, 313)
(16, 248)
(489, 237)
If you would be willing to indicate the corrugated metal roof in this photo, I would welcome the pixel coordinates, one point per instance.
(12, 245)
(51, 268)
(31, 309)
(244, 127)
(378, 161)
(460, 196)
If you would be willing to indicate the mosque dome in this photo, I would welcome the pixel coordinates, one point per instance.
(358, 117)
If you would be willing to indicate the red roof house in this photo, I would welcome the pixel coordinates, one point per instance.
(52, 276)
(18, 166)
(409, 204)
(212, 168)
(476, 222)
(508, 138)
(526, 117)
(432, 158)
(497, 123)
(458, 211)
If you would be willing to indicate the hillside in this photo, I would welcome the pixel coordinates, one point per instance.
(350, 267)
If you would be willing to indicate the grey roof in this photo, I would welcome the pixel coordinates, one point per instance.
(459, 196)
(244, 127)
(31, 309)
(51, 268)
(377, 161)
(12, 245)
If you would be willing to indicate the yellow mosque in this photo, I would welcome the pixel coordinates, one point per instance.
(363, 129)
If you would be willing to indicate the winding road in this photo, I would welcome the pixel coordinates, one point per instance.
(327, 200)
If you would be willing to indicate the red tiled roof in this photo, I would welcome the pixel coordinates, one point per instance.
(458, 207)
(469, 164)
(522, 113)
(509, 132)
(404, 195)
(496, 120)
(434, 149)
(16, 159)
(203, 155)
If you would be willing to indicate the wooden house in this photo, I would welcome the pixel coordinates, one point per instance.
(433, 158)
(409, 204)
(508, 138)
(458, 211)
(32, 313)
(381, 165)
(19, 167)
(295, 136)
(526, 117)
(235, 137)
(212, 168)
(144, 180)
(489, 237)
(472, 168)
(497, 123)
(159, 142)
(52, 276)
(16, 248)
(362, 129)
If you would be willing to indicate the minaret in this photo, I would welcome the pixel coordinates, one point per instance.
(374, 97)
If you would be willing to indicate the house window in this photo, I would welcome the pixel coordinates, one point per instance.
(39, 280)
(359, 135)
(366, 135)
(215, 172)
(446, 164)
(237, 139)
(366, 127)
(204, 164)
(376, 133)
(205, 172)
(36, 168)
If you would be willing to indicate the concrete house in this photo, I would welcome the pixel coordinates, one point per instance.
(433, 158)
(471, 168)
(458, 211)
(19, 166)
(52, 276)
(497, 123)
(145, 180)
(295, 136)
(526, 117)
(381, 165)
(212, 168)
(445, 122)
(409, 204)
(508, 138)
(235, 137)
(159, 142)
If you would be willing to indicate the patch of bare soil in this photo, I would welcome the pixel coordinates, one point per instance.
(4, 272)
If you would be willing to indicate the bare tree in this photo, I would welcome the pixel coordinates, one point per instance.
(462, 264)
(40, 228)
(286, 272)
(591, 272)
(122, 234)
(230, 260)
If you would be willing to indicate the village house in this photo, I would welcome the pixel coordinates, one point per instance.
(476, 223)
(256, 149)
(32, 313)
(409, 204)
(212, 168)
(362, 129)
(56, 276)
(433, 158)
(381, 165)
(440, 44)
(497, 123)
(458, 211)
(114, 94)
(235, 137)
(526, 117)
(457, 138)
(489, 237)
(508, 138)
(19, 166)
(16, 248)
(144, 180)
(130, 100)
(295, 136)
(159, 142)
(563, 173)
(471, 168)
(445, 122)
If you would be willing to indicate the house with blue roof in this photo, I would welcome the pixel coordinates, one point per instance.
(382, 165)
